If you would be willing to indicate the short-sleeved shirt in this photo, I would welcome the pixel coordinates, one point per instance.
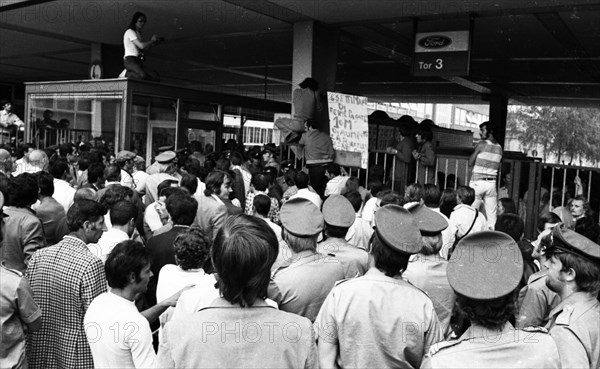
(128, 38)
(378, 321)
(354, 260)
(223, 335)
(428, 272)
(118, 335)
(481, 347)
(301, 286)
(17, 307)
(574, 325)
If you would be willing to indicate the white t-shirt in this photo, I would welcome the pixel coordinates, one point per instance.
(63, 193)
(119, 336)
(130, 48)
(196, 298)
(107, 242)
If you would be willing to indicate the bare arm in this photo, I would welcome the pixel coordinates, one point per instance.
(473, 156)
(151, 314)
(145, 45)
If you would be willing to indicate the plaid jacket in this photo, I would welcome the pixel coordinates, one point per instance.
(64, 278)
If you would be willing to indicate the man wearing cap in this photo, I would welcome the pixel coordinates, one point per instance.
(154, 167)
(125, 162)
(379, 320)
(573, 263)
(339, 216)
(166, 170)
(427, 270)
(484, 271)
(301, 284)
(268, 156)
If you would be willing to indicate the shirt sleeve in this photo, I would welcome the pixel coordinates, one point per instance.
(325, 324)
(312, 359)
(29, 311)
(33, 239)
(570, 349)
(164, 358)
(140, 344)
(131, 35)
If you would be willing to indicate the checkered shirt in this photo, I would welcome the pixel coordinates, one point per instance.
(64, 278)
(273, 211)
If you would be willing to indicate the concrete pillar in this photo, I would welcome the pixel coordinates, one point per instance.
(498, 110)
(315, 55)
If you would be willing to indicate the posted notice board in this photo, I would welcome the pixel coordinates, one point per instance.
(349, 129)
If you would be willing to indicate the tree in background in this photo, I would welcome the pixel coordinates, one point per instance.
(569, 133)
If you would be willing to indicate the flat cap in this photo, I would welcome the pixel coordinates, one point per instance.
(125, 155)
(485, 265)
(338, 211)
(4, 155)
(138, 159)
(397, 229)
(566, 240)
(428, 221)
(166, 157)
(301, 217)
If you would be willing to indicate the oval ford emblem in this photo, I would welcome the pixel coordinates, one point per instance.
(435, 42)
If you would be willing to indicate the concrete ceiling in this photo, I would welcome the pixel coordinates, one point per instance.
(535, 52)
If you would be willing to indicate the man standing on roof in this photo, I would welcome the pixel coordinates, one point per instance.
(484, 164)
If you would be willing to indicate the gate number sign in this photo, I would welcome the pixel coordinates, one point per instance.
(441, 54)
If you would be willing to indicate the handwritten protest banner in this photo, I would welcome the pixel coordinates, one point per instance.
(349, 129)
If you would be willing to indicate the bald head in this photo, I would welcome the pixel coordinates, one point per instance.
(85, 193)
(39, 159)
(5, 161)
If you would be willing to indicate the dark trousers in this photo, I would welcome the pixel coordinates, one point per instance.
(136, 70)
(316, 175)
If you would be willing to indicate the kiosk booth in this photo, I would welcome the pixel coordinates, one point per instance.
(139, 116)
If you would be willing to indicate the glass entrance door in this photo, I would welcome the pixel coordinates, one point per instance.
(160, 133)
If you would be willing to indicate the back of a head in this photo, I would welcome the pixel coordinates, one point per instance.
(309, 82)
(182, 209)
(589, 228)
(166, 184)
(509, 205)
(125, 258)
(262, 204)
(355, 199)
(38, 158)
(83, 211)
(431, 195)
(301, 180)
(391, 198)
(334, 169)
(23, 190)
(45, 183)
(192, 249)
(122, 212)
(95, 171)
(114, 194)
(243, 252)
(351, 185)
(223, 164)
(189, 182)
(375, 186)
(465, 194)
(511, 224)
(65, 149)
(236, 158)
(414, 192)
(59, 168)
(260, 182)
(85, 193)
(112, 173)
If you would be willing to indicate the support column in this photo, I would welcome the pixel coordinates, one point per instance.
(315, 55)
(498, 110)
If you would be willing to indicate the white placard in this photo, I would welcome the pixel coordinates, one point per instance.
(349, 124)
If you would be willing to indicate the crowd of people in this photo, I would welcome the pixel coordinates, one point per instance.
(235, 259)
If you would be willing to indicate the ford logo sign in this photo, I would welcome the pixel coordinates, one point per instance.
(435, 42)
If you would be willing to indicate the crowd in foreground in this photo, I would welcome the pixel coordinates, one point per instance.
(234, 260)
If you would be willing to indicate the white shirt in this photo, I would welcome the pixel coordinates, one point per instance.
(336, 185)
(370, 208)
(139, 179)
(305, 193)
(107, 242)
(127, 179)
(275, 228)
(63, 193)
(359, 234)
(152, 217)
(119, 336)
(128, 45)
(460, 221)
(197, 297)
